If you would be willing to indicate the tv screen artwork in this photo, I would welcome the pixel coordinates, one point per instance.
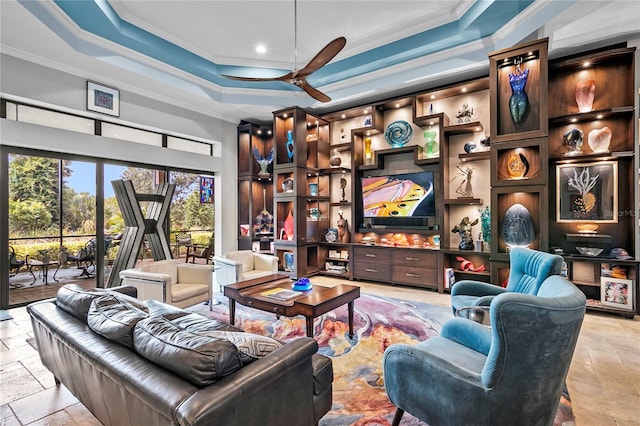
(402, 195)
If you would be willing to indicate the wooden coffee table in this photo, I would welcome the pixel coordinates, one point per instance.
(311, 304)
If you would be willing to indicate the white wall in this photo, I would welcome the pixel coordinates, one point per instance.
(35, 83)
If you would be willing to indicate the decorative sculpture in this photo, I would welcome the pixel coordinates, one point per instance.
(464, 114)
(585, 93)
(344, 233)
(518, 229)
(573, 140)
(485, 223)
(519, 101)
(290, 146)
(431, 147)
(263, 161)
(464, 189)
(599, 139)
(464, 229)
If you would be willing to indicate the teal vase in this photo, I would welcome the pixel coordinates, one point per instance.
(519, 102)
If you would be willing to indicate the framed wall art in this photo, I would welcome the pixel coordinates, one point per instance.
(616, 292)
(587, 192)
(103, 99)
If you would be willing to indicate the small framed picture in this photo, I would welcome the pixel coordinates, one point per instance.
(616, 292)
(103, 99)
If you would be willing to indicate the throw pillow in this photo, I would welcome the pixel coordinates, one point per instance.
(114, 319)
(201, 360)
(75, 300)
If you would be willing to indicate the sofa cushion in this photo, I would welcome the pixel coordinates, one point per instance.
(199, 359)
(244, 257)
(169, 312)
(250, 346)
(114, 319)
(76, 301)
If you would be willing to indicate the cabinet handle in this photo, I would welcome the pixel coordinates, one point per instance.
(371, 270)
(413, 275)
(412, 258)
(370, 255)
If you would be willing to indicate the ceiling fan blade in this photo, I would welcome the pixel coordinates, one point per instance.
(285, 77)
(323, 57)
(313, 92)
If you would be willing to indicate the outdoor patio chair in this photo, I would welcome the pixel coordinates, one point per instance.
(85, 258)
(15, 264)
(182, 239)
(205, 253)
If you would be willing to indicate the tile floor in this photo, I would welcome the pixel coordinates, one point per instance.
(604, 379)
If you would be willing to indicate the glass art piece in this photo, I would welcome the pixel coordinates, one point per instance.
(287, 185)
(585, 92)
(517, 165)
(518, 102)
(431, 147)
(264, 221)
(336, 159)
(398, 133)
(289, 264)
(599, 139)
(485, 223)
(290, 146)
(517, 227)
(313, 189)
(288, 227)
(368, 156)
(263, 161)
(469, 147)
(573, 140)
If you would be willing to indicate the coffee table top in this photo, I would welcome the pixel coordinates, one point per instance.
(317, 295)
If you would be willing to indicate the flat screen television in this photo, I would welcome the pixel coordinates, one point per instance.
(403, 199)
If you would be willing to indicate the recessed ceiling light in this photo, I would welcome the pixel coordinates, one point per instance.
(464, 90)
(344, 116)
(397, 105)
(574, 120)
(261, 48)
(586, 64)
(433, 96)
(599, 116)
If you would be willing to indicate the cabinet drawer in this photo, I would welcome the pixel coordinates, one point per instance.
(414, 258)
(371, 254)
(422, 277)
(372, 271)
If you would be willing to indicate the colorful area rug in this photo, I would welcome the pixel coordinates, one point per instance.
(358, 388)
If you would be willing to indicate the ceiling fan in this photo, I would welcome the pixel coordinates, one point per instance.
(297, 77)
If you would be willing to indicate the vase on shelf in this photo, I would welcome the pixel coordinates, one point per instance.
(313, 189)
(368, 157)
(336, 159)
(287, 185)
(599, 139)
(290, 146)
(518, 102)
(431, 147)
(573, 140)
(289, 264)
(585, 92)
(288, 226)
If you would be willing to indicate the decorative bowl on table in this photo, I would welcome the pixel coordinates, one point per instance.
(589, 251)
(302, 284)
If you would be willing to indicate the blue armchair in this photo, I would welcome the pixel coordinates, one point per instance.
(528, 269)
(510, 373)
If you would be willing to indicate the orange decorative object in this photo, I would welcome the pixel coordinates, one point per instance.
(367, 151)
(289, 226)
(467, 265)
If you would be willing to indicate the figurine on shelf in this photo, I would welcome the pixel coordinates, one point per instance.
(290, 146)
(343, 185)
(464, 114)
(344, 233)
(485, 225)
(263, 161)
(464, 189)
(519, 101)
(464, 229)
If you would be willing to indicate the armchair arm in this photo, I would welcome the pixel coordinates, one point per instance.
(227, 271)
(265, 262)
(475, 288)
(468, 333)
(129, 274)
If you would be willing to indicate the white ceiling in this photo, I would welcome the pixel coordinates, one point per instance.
(224, 34)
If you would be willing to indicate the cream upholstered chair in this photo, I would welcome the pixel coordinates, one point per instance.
(178, 284)
(243, 265)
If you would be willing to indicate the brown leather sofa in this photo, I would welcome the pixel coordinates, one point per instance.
(289, 386)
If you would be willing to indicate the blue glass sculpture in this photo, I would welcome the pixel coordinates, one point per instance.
(518, 228)
(519, 101)
(290, 146)
(485, 223)
(398, 133)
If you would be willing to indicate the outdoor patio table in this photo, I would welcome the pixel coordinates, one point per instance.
(44, 266)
